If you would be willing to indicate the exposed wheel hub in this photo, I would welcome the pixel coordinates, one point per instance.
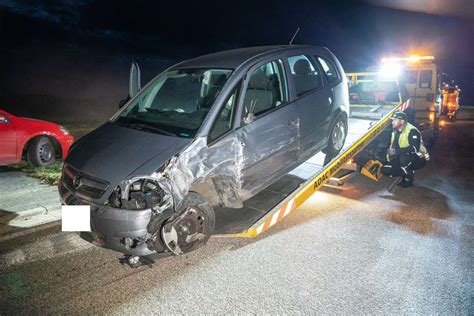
(187, 232)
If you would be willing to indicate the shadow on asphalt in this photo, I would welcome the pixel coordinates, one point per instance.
(5, 218)
(39, 287)
(422, 209)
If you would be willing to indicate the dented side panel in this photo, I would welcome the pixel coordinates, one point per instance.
(239, 165)
(219, 164)
(271, 148)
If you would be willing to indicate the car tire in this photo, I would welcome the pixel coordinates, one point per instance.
(337, 136)
(41, 152)
(192, 226)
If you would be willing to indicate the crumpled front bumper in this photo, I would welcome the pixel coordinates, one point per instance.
(121, 230)
(112, 227)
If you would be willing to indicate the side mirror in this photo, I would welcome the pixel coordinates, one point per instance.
(123, 101)
(135, 83)
(4, 119)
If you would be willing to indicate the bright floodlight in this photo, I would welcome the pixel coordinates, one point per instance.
(390, 70)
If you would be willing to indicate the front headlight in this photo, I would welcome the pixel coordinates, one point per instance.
(142, 194)
(64, 130)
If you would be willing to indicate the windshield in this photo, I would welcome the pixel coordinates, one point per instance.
(176, 103)
(374, 92)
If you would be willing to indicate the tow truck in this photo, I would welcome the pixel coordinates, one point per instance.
(367, 122)
(419, 74)
(400, 84)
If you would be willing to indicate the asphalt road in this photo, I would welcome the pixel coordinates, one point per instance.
(359, 250)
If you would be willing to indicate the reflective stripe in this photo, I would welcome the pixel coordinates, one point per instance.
(404, 170)
(275, 217)
(289, 207)
(260, 228)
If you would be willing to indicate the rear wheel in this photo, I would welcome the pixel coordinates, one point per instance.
(434, 134)
(191, 228)
(337, 136)
(41, 152)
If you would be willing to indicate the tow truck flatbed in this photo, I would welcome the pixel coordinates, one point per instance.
(281, 198)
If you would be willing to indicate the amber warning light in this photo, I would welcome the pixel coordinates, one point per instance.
(411, 59)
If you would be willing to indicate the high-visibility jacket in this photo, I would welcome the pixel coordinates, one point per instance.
(403, 141)
(409, 141)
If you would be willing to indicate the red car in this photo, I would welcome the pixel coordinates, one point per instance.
(39, 142)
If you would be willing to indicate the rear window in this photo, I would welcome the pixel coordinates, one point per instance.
(329, 69)
(306, 76)
(425, 78)
(374, 92)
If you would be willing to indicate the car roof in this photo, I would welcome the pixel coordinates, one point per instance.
(231, 59)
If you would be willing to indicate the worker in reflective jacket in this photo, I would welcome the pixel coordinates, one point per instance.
(406, 153)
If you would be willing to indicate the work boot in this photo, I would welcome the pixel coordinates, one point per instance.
(405, 183)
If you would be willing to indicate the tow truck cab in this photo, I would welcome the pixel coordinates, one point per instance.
(420, 76)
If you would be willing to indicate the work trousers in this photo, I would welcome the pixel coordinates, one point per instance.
(403, 166)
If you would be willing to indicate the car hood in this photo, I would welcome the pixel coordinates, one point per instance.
(114, 153)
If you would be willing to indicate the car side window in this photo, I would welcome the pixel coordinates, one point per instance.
(267, 88)
(224, 120)
(329, 69)
(305, 74)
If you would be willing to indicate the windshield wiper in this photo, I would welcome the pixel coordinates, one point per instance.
(146, 127)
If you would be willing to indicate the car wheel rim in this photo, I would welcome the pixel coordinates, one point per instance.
(45, 153)
(187, 232)
(339, 134)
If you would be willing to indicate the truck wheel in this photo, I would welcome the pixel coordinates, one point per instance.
(191, 228)
(337, 136)
(434, 134)
(41, 152)
(433, 139)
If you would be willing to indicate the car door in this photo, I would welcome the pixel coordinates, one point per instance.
(313, 103)
(270, 127)
(8, 141)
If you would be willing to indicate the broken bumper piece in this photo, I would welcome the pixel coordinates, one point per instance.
(121, 230)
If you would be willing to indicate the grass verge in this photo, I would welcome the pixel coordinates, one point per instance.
(48, 174)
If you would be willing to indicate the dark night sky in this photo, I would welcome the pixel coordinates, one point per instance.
(60, 57)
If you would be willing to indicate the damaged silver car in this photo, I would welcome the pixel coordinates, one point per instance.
(208, 132)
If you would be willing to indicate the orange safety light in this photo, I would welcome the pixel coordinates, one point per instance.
(411, 59)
